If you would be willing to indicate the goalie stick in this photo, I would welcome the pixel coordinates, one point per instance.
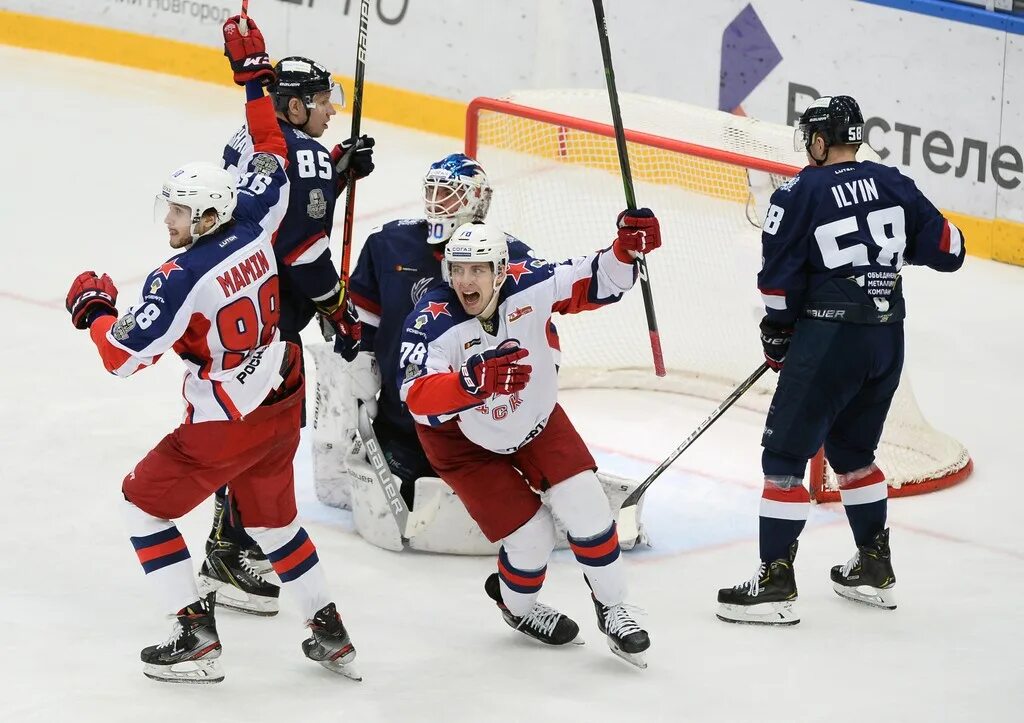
(627, 183)
(627, 514)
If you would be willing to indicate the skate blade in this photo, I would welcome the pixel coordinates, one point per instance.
(873, 596)
(777, 613)
(231, 598)
(346, 669)
(637, 659)
(192, 672)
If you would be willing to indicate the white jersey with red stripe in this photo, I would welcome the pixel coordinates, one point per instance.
(440, 336)
(216, 304)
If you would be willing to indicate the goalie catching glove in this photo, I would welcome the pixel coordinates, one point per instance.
(247, 53)
(495, 371)
(91, 297)
(639, 233)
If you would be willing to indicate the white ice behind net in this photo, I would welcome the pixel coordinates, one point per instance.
(559, 190)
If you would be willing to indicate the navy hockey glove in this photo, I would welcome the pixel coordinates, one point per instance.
(247, 53)
(639, 232)
(775, 341)
(495, 371)
(354, 154)
(342, 322)
(91, 297)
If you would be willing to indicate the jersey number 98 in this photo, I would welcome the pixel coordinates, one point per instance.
(242, 329)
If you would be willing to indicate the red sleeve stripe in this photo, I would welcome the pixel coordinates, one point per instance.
(438, 394)
(114, 358)
(774, 298)
(951, 241)
(264, 129)
(297, 256)
(363, 303)
(578, 301)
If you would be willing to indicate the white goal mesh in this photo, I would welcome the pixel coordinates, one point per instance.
(551, 158)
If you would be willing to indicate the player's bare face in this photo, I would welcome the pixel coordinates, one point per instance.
(319, 115)
(178, 221)
(474, 285)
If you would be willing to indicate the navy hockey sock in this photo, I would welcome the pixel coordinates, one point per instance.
(865, 496)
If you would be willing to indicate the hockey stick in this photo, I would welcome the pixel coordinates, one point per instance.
(357, 114)
(627, 183)
(628, 527)
(243, 23)
(382, 473)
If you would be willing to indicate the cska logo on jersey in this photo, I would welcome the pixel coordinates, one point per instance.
(517, 270)
(436, 309)
(169, 268)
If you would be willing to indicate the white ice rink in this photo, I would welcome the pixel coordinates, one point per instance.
(88, 145)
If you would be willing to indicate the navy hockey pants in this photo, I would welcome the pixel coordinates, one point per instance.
(834, 389)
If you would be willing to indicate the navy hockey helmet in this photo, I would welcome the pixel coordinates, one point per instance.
(302, 78)
(837, 119)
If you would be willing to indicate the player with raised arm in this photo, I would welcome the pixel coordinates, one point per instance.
(304, 95)
(478, 374)
(834, 240)
(216, 304)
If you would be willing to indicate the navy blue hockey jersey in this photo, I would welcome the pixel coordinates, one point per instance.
(396, 267)
(858, 220)
(302, 243)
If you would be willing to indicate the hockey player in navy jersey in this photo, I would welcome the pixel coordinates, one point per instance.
(479, 375)
(834, 240)
(216, 304)
(304, 96)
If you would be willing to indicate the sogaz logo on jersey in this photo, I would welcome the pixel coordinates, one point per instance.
(420, 321)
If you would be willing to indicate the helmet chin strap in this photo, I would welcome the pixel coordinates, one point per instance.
(492, 305)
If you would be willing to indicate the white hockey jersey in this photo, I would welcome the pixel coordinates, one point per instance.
(218, 303)
(439, 336)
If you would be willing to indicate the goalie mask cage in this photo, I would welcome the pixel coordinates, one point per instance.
(550, 156)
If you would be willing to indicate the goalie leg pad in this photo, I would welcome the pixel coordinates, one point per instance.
(336, 442)
(439, 522)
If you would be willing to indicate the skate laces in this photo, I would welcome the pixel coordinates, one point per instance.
(754, 583)
(619, 620)
(851, 563)
(541, 618)
(248, 566)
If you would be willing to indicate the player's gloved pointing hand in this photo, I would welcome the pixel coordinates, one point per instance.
(495, 371)
(91, 297)
(354, 154)
(639, 232)
(247, 53)
(775, 341)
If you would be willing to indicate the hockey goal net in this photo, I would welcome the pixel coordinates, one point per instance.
(551, 157)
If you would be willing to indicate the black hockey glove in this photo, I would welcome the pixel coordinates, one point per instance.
(775, 341)
(354, 154)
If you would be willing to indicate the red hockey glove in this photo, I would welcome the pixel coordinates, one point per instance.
(775, 341)
(343, 321)
(496, 371)
(639, 232)
(356, 155)
(247, 53)
(91, 297)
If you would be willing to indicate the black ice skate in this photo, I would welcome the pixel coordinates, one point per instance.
(257, 560)
(625, 637)
(766, 598)
(330, 645)
(190, 654)
(228, 573)
(868, 576)
(542, 623)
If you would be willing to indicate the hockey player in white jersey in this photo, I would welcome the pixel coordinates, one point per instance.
(217, 305)
(478, 372)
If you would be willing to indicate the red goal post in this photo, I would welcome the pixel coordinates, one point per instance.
(550, 156)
